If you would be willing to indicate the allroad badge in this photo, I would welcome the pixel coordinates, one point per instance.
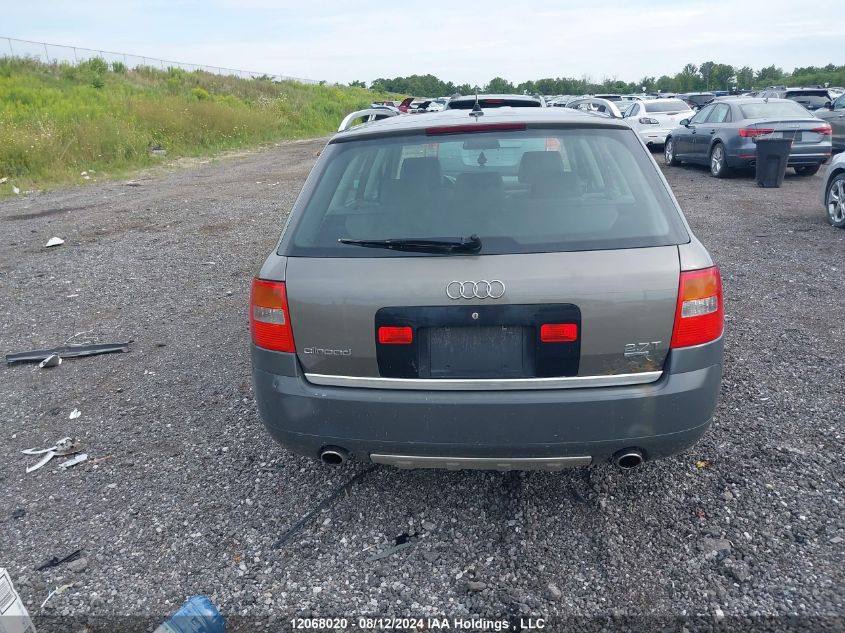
(482, 289)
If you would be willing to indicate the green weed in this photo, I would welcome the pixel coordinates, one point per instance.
(58, 120)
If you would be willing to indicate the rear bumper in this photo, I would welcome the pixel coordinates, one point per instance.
(654, 136)
(746, 156)
(660, 418)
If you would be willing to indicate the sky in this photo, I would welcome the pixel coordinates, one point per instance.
(463, 41)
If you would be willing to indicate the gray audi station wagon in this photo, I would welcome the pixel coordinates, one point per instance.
(512, 288)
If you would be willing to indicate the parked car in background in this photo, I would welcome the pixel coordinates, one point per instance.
(597, 105)
(376, 113)
(438, 104)
(609, 97)
(560, 101)
(697, 99)
(625, 106)
(834, 113)
(654, 119)
(810, 98)
(386, 107)
(425, 105)
(509, 308)
(405, 105)
(833, 192)
(467, 102)
(723, 135)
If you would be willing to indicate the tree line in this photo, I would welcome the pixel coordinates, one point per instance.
(707, 76)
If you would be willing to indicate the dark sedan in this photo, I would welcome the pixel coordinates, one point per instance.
(724, 133)
(834, 114)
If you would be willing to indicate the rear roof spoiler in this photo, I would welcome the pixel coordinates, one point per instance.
(371, 114)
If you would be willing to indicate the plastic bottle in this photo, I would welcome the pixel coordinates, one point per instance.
(197, 615)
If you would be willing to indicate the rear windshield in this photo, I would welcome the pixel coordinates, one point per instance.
(520, 191)
(813, 99)
(700, 99)
(674, 105)
(774, 109)
(467, 104)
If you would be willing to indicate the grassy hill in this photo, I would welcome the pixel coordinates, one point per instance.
(58, 120)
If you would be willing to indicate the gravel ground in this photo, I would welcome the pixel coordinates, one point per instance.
(191, 496)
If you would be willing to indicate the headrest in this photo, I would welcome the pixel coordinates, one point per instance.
(538, 166)
(421, 171)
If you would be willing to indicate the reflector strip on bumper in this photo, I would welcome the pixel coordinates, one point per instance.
(484, 384)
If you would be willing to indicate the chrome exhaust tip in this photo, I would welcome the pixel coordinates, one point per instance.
(628, 458)
(333, 456)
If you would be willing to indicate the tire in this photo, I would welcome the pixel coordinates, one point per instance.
(718, 161)
(669, 157)
(807, 170)
(835, 201)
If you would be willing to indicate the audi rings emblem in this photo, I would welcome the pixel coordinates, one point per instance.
(482, 289)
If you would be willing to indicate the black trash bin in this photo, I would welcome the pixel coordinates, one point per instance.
(772, 156)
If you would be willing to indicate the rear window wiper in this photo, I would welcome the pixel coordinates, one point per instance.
(471, 244)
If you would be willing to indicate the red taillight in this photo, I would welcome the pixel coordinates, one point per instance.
(754, 132)
(552, 144)
(388, 335)
(269, 317)
(824, 130)
(700, 312)
(558, 332)
(473, 127)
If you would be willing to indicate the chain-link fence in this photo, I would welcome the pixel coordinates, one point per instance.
(57, 53)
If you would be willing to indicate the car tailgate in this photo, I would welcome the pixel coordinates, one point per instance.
(622, 303)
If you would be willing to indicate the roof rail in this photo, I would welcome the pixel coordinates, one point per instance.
(371, 114)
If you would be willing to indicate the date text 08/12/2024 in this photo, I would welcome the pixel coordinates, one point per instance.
(418, 624)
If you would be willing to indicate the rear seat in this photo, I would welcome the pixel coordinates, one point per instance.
(545, 177)
(405, 202)
(417, 177)
(477, 195)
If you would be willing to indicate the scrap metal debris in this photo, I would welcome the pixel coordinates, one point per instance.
(53, 360)
(55, 591)
(403, 541)
(54, 241)
(65, 446)
(55, 561)
(74, 414)
(61, 444)
(74, 461)
(66, 351)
